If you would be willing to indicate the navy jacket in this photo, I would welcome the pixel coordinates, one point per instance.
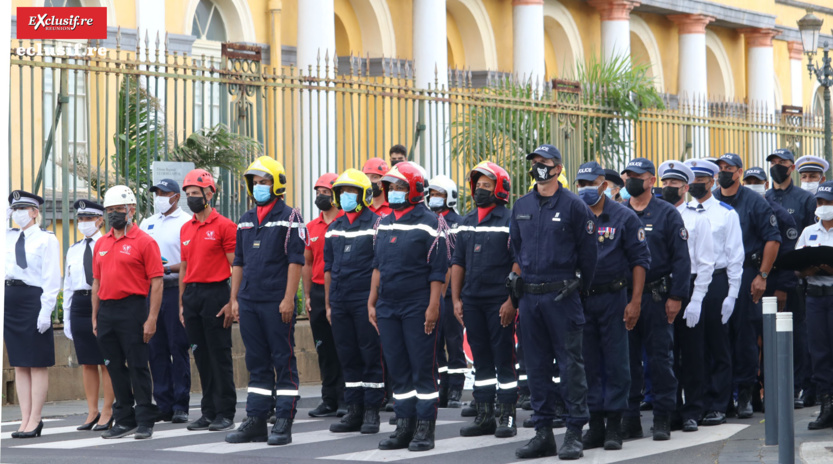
(622, 243)
(552, 237)
(483, 251)
(453, 220)
(401, 255)
(757, 220)
(260, 251)
(667, 239)
(786, 279)
(348, 256)
(799, 203)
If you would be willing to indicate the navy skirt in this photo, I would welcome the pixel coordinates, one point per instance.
(25, 345)
(81, 323)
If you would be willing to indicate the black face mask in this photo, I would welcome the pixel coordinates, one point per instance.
(697, 190)
(635, 186)
(395, 162)
(117, 219)
(377, 190)
(324, 202)
(196, 204)
(671, 194)
(726, 179)
(779, 173)
(483, 198)
(541, 172)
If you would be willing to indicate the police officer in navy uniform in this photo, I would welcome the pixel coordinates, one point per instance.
(623, 256)
(666, 286)
(811, 171)
(761, 240)
(33, 280)
(553, 235)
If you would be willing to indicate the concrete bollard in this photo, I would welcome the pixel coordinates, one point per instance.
(770, 371)
(786, 420)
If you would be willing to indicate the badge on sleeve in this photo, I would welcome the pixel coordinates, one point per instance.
(589, 227)
(683, 233)
(640, 234)
(773, 221)
(792, 233)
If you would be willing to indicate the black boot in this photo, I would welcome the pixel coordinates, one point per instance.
(631, 427)
(506, 426)
(595, 435)
(542, 444)
(281, 432)
(825, 418)
(484, 422)
(528, 423)
(351, 422)
(423, 437)
(662, 427)
(613, 431)
(571, 448)
(392, 420)
(560, 411)
(370, 423)
(252, 429)
(798, 403)
(470, 410)
(454, 399)
(808, 397)
(744, 402)
(401, 437)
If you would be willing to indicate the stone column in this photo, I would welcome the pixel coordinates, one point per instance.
(796, 73)
(275, 59)
(616, 29)
(760, 93)
(528, 40)
(431, 71)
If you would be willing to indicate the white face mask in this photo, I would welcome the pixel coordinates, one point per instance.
(825, 213)
(21, 217)
(87, 228)
(162, 204)
(811, 187)
(760, 189)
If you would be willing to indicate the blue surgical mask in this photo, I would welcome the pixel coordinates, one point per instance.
(396, 198)
(589, 194)
(608, 193)
(436, 203)
(348, 201)
(624, 194)
(262, 193)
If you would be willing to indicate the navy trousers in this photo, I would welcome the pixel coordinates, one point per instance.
(450, 355)
(520, 365)
(802, 371)
(170, 362)
(742, 333)
(717, 351)
(492, 347)
(656, 335)
(411, 357)
(819, 331)
(606, 352)
(554, 331)
(360, 353)
(332, 380)
(270, 359)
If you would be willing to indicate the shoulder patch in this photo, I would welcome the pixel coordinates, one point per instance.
(683, 233)
(726, 205)
(589, 227)
(640, 234)
(773, 221)
(792, 233)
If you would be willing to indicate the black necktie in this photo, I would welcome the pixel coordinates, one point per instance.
(88, 262)
(20, 251)
(700, 208)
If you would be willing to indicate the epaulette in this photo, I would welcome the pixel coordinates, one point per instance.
(726, 205)
(691, 207)
(15, 229)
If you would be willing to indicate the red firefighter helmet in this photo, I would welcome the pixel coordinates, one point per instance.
(406, 173)
(503, 185)
(326, 181)
(199, 178)
(375, 166)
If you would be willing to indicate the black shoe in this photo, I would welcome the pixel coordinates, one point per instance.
(571, 448)
(221, 423)
(470, 410)
(200, 424)
(143, 432)
(506, 426)
(484, 422)
(351, 422)
(523, 402)
(401, 437)
(16, 434)
(528, 423)
(281, 432)
(594, 437)
(798, 403)
(253, 429)
(392, 420)
(808, 398)
(272, 418)
(180, 417)
(541, 445)
(714, 418)
(631, 428)
(118, 431)
(662, 428)
(165, 416)
(389, 407)
(103, 427)
(613, 431)
(33, 434)
(825, 417)
(423, 437)
(558, 421)
(744, 403)
(88, 425)
(731, 410)
(646, 406)
(324, 410)
(341, 411)
(689, 425)
(454, 397)
(370, 422)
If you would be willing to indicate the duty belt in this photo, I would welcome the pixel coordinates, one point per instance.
(753, 260)
(547, 287)
(83, 292)
(206, 284)
(658, 288)
(819, 290)
(716, 272)
(609, 287)
(15, 283)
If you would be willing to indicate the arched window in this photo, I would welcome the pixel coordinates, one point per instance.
(208, 22)
(59, 3)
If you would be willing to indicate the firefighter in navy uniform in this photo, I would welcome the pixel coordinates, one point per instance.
(761, 240)
(442, 198)
(553, 235)
(348, 261)
(623, 256)
(482, 259)
(265, 275)
(666, 286)
(409, 271)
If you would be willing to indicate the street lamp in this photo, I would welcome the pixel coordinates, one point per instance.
(809, 27)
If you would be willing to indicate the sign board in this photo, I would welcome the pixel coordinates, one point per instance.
(175, 170)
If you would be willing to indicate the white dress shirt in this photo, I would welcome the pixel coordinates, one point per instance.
(699, 249)
(74, 276)
(813, 236)
(43, 263)
(165, 230)
(727, 239)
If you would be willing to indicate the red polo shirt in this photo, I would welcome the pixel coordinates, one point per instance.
(204, 248)
(316, 230)
(383, 210)
(125, 266)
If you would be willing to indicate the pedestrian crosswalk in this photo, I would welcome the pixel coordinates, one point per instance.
(313, 442)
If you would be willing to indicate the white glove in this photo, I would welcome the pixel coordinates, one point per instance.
(67, 329)
(692, 313)
(44, 322)
(728, 308)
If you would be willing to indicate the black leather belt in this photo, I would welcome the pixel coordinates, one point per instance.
(547, 287)
(720, 271)
(168, 283)
(206, 284)
(16, 283)
(819, 290)
(83, 292)
(609, 287)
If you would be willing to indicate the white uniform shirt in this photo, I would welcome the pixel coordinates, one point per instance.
(74, 276)
(43, 263)
(813, 236)
(727, 240)
(699, 249)
(165, 230)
